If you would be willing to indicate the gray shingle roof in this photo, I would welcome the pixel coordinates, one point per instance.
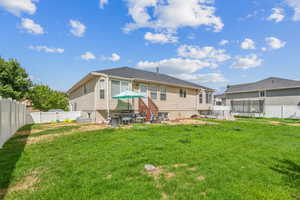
(271, 83)
(128, 72)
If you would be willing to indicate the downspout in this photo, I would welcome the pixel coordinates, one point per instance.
(107, 98)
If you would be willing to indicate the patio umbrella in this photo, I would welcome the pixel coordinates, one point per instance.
(128, 95)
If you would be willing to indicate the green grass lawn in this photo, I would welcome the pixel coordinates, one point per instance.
(232, 160)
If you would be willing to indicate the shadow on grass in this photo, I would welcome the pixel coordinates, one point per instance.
(9, 156)
(291, 170)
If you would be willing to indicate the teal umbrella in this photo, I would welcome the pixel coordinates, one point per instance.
(128, 95)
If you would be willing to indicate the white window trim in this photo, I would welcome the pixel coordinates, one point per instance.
(165, 93)
(264, 91)
(120, 84)
(151, 91)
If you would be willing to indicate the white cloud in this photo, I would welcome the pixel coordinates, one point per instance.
(102, 3)
(172, 14)
(78, 29)
(248, 44)
(295, 4)
(207, 54)
(31, 27)
(175, 65)
(274, 43)
(160, 38)
(17, 7)
(88, 56)
(114, 57)
(247, 62)
(203, 78)
(277, 15)
(223, 42)
(47, 49)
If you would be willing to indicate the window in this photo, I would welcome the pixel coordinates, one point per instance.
(201, 98)
(153, 92)
(75, 107)
(208, 98)
(262, 93)
(143, 89)
(182, 93)
(118, 86)
(163, 93)
(102, 94)
(124, 86)
(102, 90)
(84, 89)
(115, 88)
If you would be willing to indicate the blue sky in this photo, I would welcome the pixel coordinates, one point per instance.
(60, 41)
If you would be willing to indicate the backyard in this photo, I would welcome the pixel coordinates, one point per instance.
(242, 159)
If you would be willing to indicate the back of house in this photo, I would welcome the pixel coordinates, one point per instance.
(271, 97)
(164, 94)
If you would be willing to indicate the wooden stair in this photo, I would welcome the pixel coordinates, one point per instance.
(151, 107)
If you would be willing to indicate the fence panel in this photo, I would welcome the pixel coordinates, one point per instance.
(283, 111)
(12, 117)
(47, 117)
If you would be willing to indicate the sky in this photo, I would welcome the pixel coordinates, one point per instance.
(210, 42)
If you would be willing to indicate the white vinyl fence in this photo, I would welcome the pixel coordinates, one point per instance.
(282, 111)
(222, 112)
(275, 111)
(12, 117)
(47, 117)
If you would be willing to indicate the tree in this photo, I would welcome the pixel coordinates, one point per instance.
(44, 98)
(14, 81)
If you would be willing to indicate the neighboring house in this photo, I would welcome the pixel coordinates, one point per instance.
(29, 106)
(271, 97)
(220, 100)
(166, 95)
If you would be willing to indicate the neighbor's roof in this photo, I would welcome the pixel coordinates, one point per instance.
(271, 83)
(132, 73)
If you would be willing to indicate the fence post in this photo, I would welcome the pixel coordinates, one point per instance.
(1, 126)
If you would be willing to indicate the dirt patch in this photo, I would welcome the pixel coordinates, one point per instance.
(156, 172)
(276, 123)
(28, 132)
(178, 165)
(26, 183)
(188, 122)
(293, 124)
(203, 194)
(164, 195)
(41, 138)
(93, 127)
(108, 176)
(192, 169)
(58, 125)
(200, 178)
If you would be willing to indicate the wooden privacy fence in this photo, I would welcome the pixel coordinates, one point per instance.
(12, 117)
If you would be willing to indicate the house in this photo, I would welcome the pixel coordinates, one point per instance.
(271, 97)
(166, 95)
(219, 100)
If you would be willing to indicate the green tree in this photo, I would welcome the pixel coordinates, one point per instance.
(14, 81)
(44, 98)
